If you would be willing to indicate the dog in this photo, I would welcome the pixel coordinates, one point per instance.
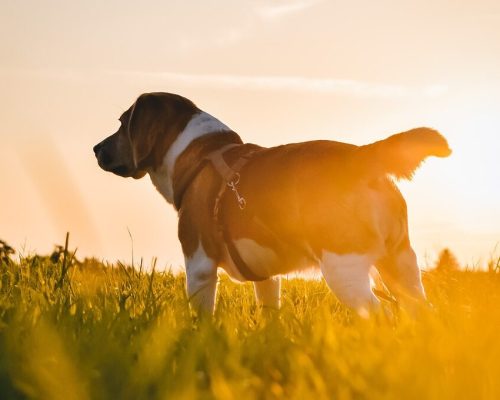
(259, 212)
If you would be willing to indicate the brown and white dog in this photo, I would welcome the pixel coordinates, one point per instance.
(261, 212)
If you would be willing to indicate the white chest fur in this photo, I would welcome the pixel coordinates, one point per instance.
(201, 124)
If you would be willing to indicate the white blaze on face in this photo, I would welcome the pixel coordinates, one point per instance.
(201, 124)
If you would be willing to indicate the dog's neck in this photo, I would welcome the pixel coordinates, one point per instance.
(201, 126)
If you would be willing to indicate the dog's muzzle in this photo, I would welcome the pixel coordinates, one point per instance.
(109, 162)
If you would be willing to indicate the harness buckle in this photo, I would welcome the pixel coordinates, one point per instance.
(239, 198)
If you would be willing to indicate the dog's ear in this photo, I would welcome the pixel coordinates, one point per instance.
(146, 123)
(154, 122)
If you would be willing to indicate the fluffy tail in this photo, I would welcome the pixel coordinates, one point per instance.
(401, 154)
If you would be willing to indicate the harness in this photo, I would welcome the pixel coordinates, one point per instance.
(229, 175)
(230, 179)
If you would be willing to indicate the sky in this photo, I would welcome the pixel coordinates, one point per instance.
(275, 72)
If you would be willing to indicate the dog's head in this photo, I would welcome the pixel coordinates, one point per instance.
(147, 130)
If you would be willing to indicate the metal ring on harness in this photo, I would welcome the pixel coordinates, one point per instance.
(239, 198)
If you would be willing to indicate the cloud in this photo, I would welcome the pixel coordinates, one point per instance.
(252, 16)
(282, 8)
(347, 87)
(277, 83)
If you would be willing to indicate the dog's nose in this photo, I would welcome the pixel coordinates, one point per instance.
(102, 155)
(97, 147)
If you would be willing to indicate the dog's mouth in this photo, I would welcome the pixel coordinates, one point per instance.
(126, 172)
(121, 170)
(109, 163)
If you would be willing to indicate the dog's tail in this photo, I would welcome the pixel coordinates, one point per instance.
(401, 154)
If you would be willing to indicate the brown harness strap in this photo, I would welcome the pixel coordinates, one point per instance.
(230, 179)
(225, 171)
(181, 188)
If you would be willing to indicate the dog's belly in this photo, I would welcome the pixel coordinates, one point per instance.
(263, 261)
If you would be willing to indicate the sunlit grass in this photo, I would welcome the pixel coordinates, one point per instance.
(111, 332)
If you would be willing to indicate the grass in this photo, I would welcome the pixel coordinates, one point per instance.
(73, 330)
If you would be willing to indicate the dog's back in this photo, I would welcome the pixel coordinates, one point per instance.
(324, 195)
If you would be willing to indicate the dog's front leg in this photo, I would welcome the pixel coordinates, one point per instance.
(201, 282)
(267, 292)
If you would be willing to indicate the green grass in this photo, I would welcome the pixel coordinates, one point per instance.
(110, 332)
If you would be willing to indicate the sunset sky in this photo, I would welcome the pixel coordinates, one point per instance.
(275, 72)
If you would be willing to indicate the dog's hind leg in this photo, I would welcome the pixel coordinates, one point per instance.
(401, 274)
(348, 276)
(267, 292)
(201, 282)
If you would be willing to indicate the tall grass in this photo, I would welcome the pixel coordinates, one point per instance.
(94, 331)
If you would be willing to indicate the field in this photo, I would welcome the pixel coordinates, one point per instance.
(72, 330)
